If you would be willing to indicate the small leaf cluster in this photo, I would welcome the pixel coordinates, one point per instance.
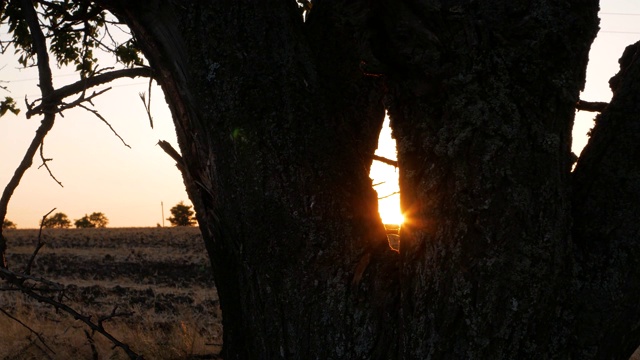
(8, 104)
(128, 53)
(11, 14)
(75, 30)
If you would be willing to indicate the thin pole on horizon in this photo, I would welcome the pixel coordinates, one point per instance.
(162, 207)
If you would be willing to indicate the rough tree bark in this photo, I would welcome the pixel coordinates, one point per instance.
(276, 135)
(606, 210)
(499, 259)
(483, 117)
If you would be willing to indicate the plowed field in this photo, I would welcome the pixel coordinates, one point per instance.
(161, 276)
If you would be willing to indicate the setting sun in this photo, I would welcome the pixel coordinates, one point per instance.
(385, 179)
(391, 214)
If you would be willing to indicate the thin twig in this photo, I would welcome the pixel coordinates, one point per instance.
(94, 350)
(39, 245)
(96, 113)
(114, 314)
(147, 105)
(385, 160)
(42, 222)
(28, 328)
(44, 163)
(81, 99)
(80, 86)
(390, 195)
(18, 280)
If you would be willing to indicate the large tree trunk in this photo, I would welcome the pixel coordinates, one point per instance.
(276, 132)
(606, 211)
(277, 120)
(483, 116)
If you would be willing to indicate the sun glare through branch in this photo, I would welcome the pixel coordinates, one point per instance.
(385, 178)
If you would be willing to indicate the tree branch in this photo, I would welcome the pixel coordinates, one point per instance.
(46, 88)
(172, 152)
(96, 113)
(39, 245)
(390, 195)
(385, 160)
(147, 105)
(58, 95)
(18, 280)
(595, 106)
(92, 344)
(44, 163)
(28, 328)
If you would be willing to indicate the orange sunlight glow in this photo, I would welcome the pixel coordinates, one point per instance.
(391, 215)
(385, 179)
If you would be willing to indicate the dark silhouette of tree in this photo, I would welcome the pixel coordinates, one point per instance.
(8, 224)
(57, 220)
(182, 215)
(505, 254)
(96, 219)
(84, 223)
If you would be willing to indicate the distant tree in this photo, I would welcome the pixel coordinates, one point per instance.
(182, 215)
(57, 220)
(96, 219)
(84, 223)
(8, 224)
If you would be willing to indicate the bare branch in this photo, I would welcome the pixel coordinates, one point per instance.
(40, 244)
(50, 100)
(147, 107)
(94, 350)
(96, 113)
(385, 160)
(44, 163)
(82, 99)
(595, 106)
(18, 280)
(390, 195)
(46, 88)
(171, 152)
(42, 222)
(114, 314)
(78, 87)
(28, 328)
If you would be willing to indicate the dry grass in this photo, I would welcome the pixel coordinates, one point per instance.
(162, 276)
(65, 338)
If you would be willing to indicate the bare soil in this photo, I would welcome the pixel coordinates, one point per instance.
(160, 275)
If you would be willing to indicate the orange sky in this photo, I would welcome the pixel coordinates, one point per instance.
(100, 174)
